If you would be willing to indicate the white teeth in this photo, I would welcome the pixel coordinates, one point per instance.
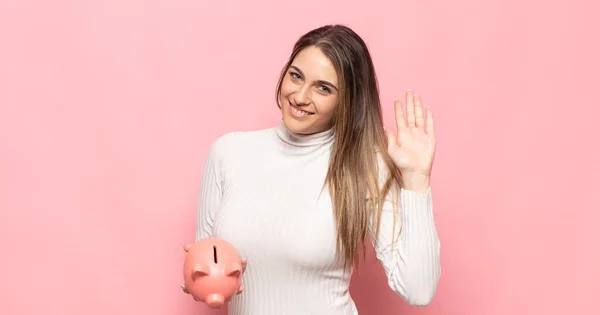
(299, 111)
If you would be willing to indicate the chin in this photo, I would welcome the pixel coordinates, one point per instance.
(294, 125)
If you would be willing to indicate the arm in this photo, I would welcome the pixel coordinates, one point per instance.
(412, 261)
(211, 191)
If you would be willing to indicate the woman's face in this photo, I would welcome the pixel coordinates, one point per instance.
(309, 92)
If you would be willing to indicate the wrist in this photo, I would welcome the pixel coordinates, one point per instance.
(417, 182)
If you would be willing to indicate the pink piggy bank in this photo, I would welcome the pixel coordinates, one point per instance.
(212, 271)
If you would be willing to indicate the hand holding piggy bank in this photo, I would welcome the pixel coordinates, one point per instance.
(212, 271)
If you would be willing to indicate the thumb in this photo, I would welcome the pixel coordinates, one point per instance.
(184, 288)
(244, 263)
(392, 140)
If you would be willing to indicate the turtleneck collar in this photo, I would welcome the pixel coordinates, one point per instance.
(304, 143)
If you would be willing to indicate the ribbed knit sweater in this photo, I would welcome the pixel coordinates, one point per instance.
(263, 192)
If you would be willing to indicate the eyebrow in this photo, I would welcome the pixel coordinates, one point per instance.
(319, 81)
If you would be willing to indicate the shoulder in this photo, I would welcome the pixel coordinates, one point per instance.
(240, 142)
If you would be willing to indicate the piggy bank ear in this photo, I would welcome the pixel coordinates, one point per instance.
(200, 270)
(235, 270)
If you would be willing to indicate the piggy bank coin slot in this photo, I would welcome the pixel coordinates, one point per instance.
(215, 253)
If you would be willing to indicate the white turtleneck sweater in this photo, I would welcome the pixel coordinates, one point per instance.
(262, 192)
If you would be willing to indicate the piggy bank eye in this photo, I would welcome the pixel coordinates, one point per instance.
(215, 253)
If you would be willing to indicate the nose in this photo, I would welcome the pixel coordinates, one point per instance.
(215, 300)
(302, 97)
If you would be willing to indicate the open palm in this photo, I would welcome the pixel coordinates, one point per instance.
(412, 148)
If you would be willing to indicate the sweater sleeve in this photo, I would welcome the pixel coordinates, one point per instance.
(410, 249)
(211, 190)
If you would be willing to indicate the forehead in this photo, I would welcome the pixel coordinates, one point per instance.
(315, 65)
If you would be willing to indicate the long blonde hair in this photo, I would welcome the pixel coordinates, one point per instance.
(360, 142)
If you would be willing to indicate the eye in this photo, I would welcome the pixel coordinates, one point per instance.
(325, 89)
(295, 76)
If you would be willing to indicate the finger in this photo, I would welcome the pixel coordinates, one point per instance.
(392, 140)
(184, 288)
(400, 122)
(419, 122)
(187, 247)
(410, 109)
(430, 127)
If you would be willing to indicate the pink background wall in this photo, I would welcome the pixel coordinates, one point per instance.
(107, 110)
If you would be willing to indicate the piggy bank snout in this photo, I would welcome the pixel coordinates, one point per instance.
(215, 300)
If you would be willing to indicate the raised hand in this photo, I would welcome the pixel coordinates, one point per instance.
(412, 148)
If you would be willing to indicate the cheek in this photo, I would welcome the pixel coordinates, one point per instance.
(326, 106)
(286, 88)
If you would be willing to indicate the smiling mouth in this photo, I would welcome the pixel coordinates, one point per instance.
(299, 111)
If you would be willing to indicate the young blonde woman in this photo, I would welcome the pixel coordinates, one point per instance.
(298, 200)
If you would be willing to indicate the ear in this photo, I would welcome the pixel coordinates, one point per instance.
(235, 270)
(200, 270)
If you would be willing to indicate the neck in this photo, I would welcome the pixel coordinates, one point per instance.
(302, 143)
